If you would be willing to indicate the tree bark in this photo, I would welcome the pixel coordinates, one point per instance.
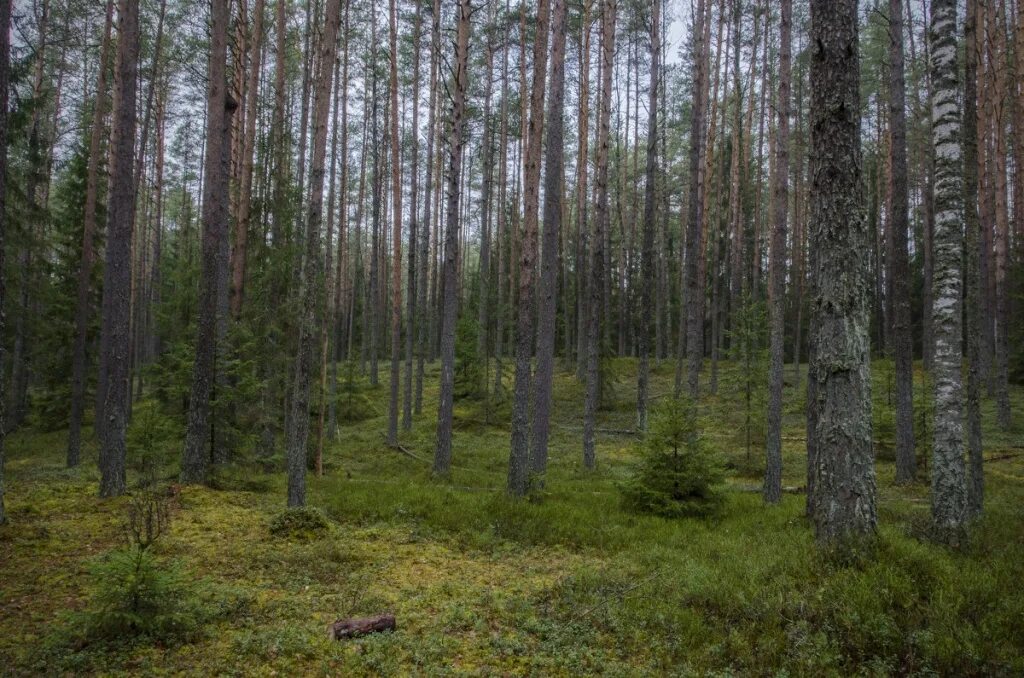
(844, 469)
(554, 186)
(239, 252)
(396, 237)
(972, 259)
(88, 263)
(5, 75)
(647, 254)
(695, 218)
(948, 473)
(601, 227)
(443, 450)
(311, 282)
(902, 336)
(777, 265)
(518, 460)
(412, 271)
(199, 442)
(117, 273)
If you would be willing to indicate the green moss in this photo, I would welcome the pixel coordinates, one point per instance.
(569, 584)
(300, 524)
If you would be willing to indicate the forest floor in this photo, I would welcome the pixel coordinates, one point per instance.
(567, 584)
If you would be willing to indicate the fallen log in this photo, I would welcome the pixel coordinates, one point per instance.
(360, 626)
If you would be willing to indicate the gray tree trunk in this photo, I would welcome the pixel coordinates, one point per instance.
(695, 216)
(396, 236)
(412, 272)
(424, 303)
(601, 226)
(526, 313)
(949, 496)
(82, 300)
(902, 333)
(647, 261)
(844, 500)
(443, 450)
(553, 196)
(198, 450)
(976, 468)
(311, 281)
(118, 274)
(777, 264)
(5, 75)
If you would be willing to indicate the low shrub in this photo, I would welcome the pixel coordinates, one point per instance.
(677, 475)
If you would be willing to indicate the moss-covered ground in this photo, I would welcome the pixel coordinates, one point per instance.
(565, 584)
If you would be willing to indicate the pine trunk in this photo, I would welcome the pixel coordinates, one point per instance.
(844, 483)
(777, 265)
(443, 451)
(117, 273)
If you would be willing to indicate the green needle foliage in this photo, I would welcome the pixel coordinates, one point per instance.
(677, 475)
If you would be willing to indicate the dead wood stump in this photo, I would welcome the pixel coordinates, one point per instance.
(361, 626)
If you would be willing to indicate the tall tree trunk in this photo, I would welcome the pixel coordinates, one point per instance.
(601, 227)
(335, 314)
(5, 68)
(518, 460)
(412, 272)
(311, 282)
(199, 441)
(502, 239)
(902, 334)
(583, 169)
(844, 475)
(443, 451)
(948, 474)
(647, 254)
(996, 13)
(694, 252)
(425, 303)
(396, 237)
(976, 468)
(554, 187)
(85, 270)
(777, 264)
(117, 273)
(239, 252)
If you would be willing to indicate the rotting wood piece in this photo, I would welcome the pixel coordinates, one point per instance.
(361, 626)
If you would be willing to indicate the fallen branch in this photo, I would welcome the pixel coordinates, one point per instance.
(360, 626)
(620, 595)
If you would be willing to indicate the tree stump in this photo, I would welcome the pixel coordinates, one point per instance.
(361, 626)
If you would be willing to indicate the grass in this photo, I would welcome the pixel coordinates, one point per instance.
(566, 584)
